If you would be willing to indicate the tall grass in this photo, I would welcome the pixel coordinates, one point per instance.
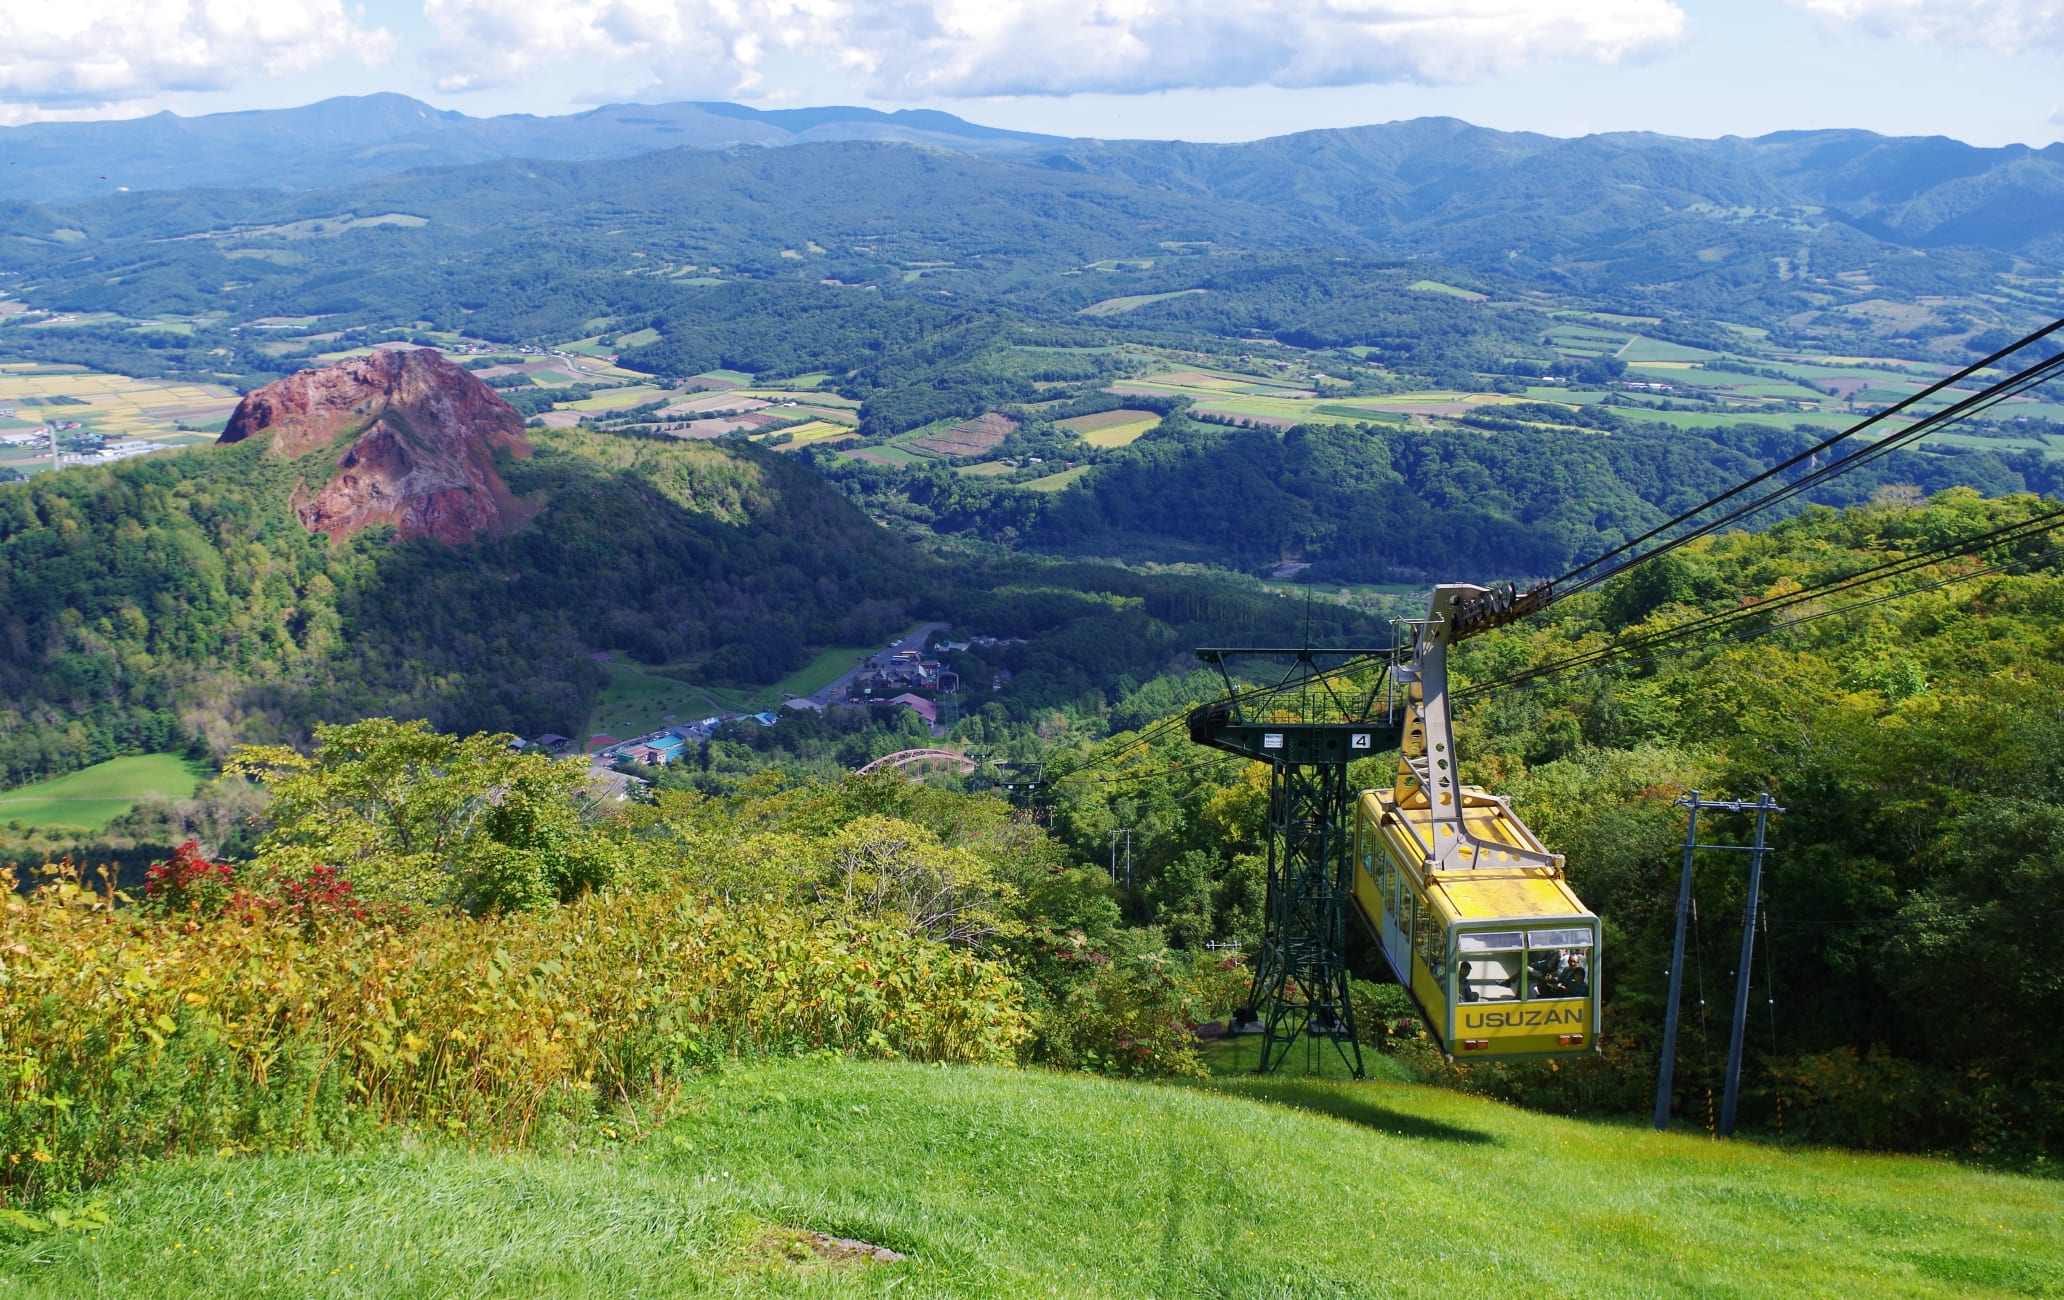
(126, 1035)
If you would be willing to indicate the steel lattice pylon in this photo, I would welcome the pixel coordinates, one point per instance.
(1300, 982)
(1307, 728)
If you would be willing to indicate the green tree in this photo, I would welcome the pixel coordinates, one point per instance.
(412, 815)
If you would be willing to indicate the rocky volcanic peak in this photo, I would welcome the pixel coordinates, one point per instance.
(423, 433)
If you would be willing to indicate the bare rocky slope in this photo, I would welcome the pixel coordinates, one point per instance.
(422, 436)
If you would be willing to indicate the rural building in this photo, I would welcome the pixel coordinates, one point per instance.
(656, 750)
(919, 705)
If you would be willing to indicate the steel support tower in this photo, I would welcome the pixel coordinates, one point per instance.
(1330, 708)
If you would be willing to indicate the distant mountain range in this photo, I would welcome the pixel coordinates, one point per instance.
(356, 138)
(1432, 185)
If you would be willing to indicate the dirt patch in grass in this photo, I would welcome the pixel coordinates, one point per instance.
(805, 1248)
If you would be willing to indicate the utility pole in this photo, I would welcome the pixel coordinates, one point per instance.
(1692, 802)
(1741, 981)
(1126, 832)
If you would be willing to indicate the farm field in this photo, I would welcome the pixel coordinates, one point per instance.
(1132, 302)
(1012, 1183)
(114, 406)
(1055, 482)
(91, 797)
(1453, 291)
(618, 399)
(888, 455)
(815, 433)
(1111, 428)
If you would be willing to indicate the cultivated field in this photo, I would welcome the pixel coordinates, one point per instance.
(1111, 428)
(91, 797)
(1055, 482)
(969, 437)
(1132, 302)
(114, 406)
(813, 434)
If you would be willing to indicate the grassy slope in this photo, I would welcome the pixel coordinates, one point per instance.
(1011, 1184)
(92, 797)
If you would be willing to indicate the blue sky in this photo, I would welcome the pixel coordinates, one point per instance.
(1986, 71)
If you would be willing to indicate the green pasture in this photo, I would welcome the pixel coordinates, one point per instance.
(1362, 414)
(1015, 1183)
(637, 700)
(617, 399)
(825, 667)
(1056, 482)
(1110, 428)
(1642, 348)
(1435, 286)
(986, 469)
(777, 393)
(891, 454)
(91, 797)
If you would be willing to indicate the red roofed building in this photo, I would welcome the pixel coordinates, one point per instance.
(919, 705)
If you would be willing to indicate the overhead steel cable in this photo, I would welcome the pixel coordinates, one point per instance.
(1710, 623)
(1752, 632)
(1590, 573)
(1721, 626)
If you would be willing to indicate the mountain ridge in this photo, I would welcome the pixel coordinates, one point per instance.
(1413, 186)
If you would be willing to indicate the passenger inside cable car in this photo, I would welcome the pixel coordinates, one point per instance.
(1495, 966)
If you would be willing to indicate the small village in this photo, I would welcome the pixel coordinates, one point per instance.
(905, 675)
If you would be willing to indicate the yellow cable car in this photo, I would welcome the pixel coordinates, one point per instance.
(1470, 909)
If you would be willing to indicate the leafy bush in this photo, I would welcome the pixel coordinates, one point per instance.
(123, 1034)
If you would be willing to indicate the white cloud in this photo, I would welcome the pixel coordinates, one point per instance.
(58, 57)
(2005, 25)
(918, 49)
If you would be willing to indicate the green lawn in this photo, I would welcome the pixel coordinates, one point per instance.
(999, 1183)
(637, 699)
(92, 797)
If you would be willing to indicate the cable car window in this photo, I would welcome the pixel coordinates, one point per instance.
(1488, 966)
(1429, 939)
(1559, 963)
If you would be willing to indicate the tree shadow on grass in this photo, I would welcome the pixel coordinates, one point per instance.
(1345, 1102)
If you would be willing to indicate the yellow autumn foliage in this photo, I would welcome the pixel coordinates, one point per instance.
(126, 1035)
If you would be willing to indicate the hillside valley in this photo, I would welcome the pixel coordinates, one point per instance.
(454, 572)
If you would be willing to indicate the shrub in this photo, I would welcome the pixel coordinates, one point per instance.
(188, 882)
(125, 1034)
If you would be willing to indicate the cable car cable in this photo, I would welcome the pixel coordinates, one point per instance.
(1575, 577)
(1752, 633)
(1884, 447)
(2020, 530)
